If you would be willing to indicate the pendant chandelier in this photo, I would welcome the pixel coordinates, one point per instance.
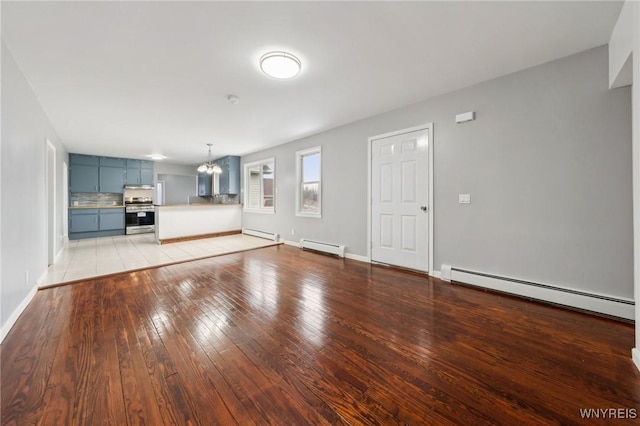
(209, 167)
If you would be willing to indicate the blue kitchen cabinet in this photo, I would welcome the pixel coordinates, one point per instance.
(139, 172)
(205, 185)
(83, 178)
(230, 176)
(146, 176)
(112, 162)
(111, 179)
(89, 173)
(111, 219)
(85, 220)
(133, 172)
(85, 160)
(92, 223)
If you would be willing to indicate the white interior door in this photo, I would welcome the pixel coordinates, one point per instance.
(399, 200)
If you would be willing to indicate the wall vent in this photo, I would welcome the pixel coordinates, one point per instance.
(336, 249)
(261, 234)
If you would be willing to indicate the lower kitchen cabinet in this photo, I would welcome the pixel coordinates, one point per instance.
(111, 219)
(85, 220)
(92, 223)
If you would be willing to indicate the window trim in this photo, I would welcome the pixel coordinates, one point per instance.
(298, 208)
(246, 167)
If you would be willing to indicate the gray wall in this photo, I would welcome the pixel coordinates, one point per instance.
(23, 224)
(547, 163)
(180, 181)
(164, 168)
(178, 188)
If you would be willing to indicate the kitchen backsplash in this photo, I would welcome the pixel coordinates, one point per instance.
(139, 193)
(218, 199)
(83, 199)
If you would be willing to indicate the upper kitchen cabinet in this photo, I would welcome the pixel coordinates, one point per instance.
(139, 172)
(146, 172)
(85, 160)
(111, 179)
(88, 173)
(112, 162)
(83, 173)
(205, 185)
(111, 174)
(230, 176)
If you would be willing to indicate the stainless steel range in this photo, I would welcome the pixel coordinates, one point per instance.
(139, 215)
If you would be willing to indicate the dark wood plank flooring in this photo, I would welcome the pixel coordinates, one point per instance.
(282, 336)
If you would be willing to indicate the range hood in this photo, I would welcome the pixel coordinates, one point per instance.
(139, 187)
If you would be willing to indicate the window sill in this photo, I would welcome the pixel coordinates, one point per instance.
(261, 211)
(311, 215)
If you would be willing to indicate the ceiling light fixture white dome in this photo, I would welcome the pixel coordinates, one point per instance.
(280, 65)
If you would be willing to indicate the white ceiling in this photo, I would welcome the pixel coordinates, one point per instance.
(129, 79)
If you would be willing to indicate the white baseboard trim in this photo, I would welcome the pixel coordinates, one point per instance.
(609, 305)
(6, 327)
(56, 258)
(346, 255)
(357, 257)
(635, 356)
(436, 274)
(41, 278)
(290, 243)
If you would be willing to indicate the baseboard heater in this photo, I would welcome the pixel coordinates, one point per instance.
(336, 249)
(261, 234)
(600, 303)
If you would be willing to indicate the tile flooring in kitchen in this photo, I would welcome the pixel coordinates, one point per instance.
(94, 257)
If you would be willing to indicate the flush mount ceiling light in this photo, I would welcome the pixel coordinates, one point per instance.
(280, 65)
(209, 167)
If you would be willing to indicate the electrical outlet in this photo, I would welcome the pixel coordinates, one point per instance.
(26, 276)
(293, 231)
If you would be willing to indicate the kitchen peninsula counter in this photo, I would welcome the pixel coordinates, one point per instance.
(182, 222)
(96, 207)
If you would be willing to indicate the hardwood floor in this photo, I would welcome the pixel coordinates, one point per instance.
(282, 336)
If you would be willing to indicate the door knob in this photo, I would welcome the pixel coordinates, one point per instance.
(423, 208)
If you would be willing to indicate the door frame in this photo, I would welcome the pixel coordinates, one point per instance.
(52, 194)
(429, 128)
(65, 202)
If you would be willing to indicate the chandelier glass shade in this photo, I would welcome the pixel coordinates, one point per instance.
(209, 166)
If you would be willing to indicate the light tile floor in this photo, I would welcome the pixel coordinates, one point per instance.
(92, 257)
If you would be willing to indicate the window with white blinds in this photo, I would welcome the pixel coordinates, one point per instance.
(259, 178)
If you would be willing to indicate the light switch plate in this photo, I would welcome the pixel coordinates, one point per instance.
(464, 198)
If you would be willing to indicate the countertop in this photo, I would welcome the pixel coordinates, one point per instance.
(95, 207)
(197, 205)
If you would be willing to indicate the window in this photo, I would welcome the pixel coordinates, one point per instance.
(259, 186)
(309, 174)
